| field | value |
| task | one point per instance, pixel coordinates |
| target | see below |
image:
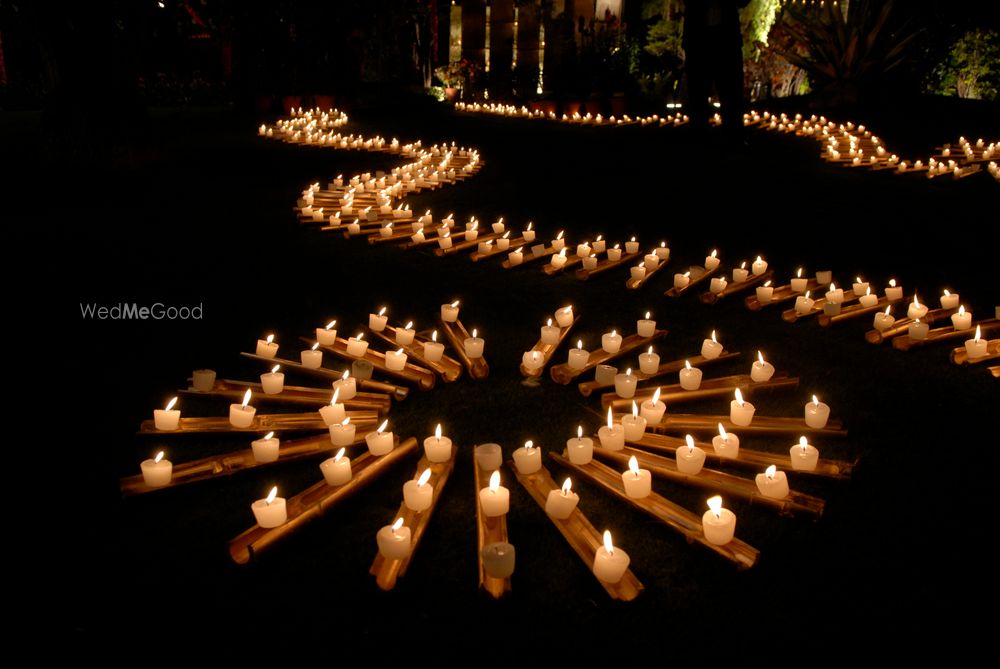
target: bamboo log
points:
(856, 311)
(571, 261)
(397, 235)
(467, 244)
(674, 422)
(542, 252)
(588, 387)
(421, 376)
(780, 295)
(386, 571)
(489, 530)
(547, 350)
(314, 397)
(274, 422)
(791, 315)
(734, 287)
(635, 284)
(795, 504)
(994, 370)
(429, 240)
(316, 500)
(579, 533)
(901, 326)
(564, 374)
(457, 334)
(698, 274)
(946, 334)
(960, 356)
(722, 386)
(675, 516)
(745, 458)
(447, 368)
(605, 265)
(397, 392)
(476, 256)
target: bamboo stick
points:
(605, 265)
(314, 397)
(734, 287)
(675, 516)
(385, 571)
(467, 244)
(946, 334)
(780, 295)
(564, 374)
(422, 377)
(397, 392)
(398, 234)
(476, 256)
(447, 368)
(960, 356)
(722, 386)
(795, 504)
(635, 284)
(856, 311)
(544, 252)
(994, 370)
(588, 387)
(791, 315)
(315, 501)
(489, 530)
(673, 422)
(902, 325)
(745, 458)
(579, 533)
(547, 350)
(457, 334)
(698, 274)
(571, 261)
(276, 422)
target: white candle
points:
(949, 300)
(726, 444)
(336, 470)
(578, 357)
(550, 334)
(804, 456)
(816, 413)
(581, 449)
(357, 346)
(961, 320)
(645, 326)
(583, 250)
(532, 360)
(418, 494)
(653, 409)
(634, 426)
(156, 472)
(494, 499)
(380, 442)
(270, 511)
(485, 247)
(765, 293)
(917, 330)
(267, 348)
(868, 300)
(241, 415)
(273, 382)
(639, 271)
(682, 280)
(474, 345)
(560, 503)
(347, 386)
(404, 335)
(759, 266)
(168, 418)
(712, 260)
(834, 295)
(395, 360)
(631, 246)
(610, 563)
(625, 384)
(498, 559)
(449, 312)
(312, 358)
(564, 316)
(804, 304)
(203, 379)
(718, 284)
(893, 292)
(342, 433)
(651, 261)
(394, 541)
(528, 234)
(614, 253)
(377, 322)
(498, 226)
(503, 243)
(599, 244)
(690, 377)
(740, 412)
(638, 483)
(590, 262)
(977, 347)
(611, 436)
(662, 252)
(740, 273)
(719, 524)
(559, 243)
(798, 284)
(266, 449)
(433, 351)
(559, 259)
(437, 448)
(605, 374)
(649, 363)
(611, 342)
(690, 458)
(884, 320)
(489, 456)
(528, 459)
(772, 483)
(761, 370)
(711, 348)
(824, 277)
(444, 241)
(860, 286)
(916, 310)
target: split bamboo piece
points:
(457, 334)
(677, 517)
(674, 422)
(946, 334)
(579, 533)
(781, 294)
(960, 356)
(791, 315)
(273, 422)
(588, 387)
(994, 370)
(571, 261)
(314, 397)
(734, 287)
(464, 245)
(795, 504)
(564, 374)
(722, 386)
(397, 392)
(605, 265)
(856, 311)
(316, 500)
(489, 530)
(901, 326)
(634, 284)
(746, 458)
(447, 368)
(421, 376)
(531, 256)
(386, 571)
(547, 350)
(476, 256)
(698, 274)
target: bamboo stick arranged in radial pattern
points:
(635, 283)
(316, 500)
(818, 307)
(234, 390)
(397, 392)
(675, 516)
(545, 351)
(495, 250)
(386, 570)
(901, 326)
(674, 366)
(674, 422)
(534, 253)
(857, 311)
(457, 334)
(960, 356)
(490, 530)
(446, 367)
(946, 334)
(722, 386)
(735, 287)
(579, 533)
(696, 274)
(465, 245)
(780, 295)
(275, 422)
(607, 264)
(564, 374)
(421, 376)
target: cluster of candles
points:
(513, 111)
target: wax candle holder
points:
(858, 311)
(490, 530)
(665, 368)
(457, 334)
(605, 264)
(735, 287)
(946, 334)
(578, 531)
(697, 274)
(819, 307)
(564, 374)
(446, 367)
(514, 243)
(795, 504)
(316, 500)
(396, 391)
(780, 295)
(755, 461)
(277, 422)
(635, 283)
(722, 386)
(546, 350)
(387, 571)
(960, 356)
(675, 422)
(901, 326)
(673, 515)
(299, 395)
(422, 377)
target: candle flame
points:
(857, 279)
(506, 235)
(274, 370)
(647, 315)
(398, 524)
(808, 293)
(360, 336)
(381, 428)
(715, 253)
(579, 344)
(663, 245)
(434, 336)
(271, 495)
(246, 398)
(528, 445)
(892, 283)
(171, 403)
(159, 456)
(425, 476)
(616, 246)
(798, 274)
(656, 396)
(381, 312)
(559, 236)
(759, 259)
(687, 364)
(269, 436)
(529, 225)
(687, 275)
(770, 472)
(345, 422)
(715, 504)
(579, 430)
(628, 372)
(739, 397)
(474, 333)
(713, 337)
(611, 423)
(650, 351)
(608, 546)
(979, 333)
(270, 338)
(635, 410)
(916, 303)
(723, 434)
(495, 481)
(633, 466)
(767, 283)
(690, 443)
(549, 323)
(833, 287)
(803, 444)
(329, 326)
(946, 293)
(743, 265)
(633, 239)
(760, 357)
(868, 291)
(567, 486)
(562, 252)
(409, 324)
(888, 309)
(815, 401)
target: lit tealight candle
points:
(631, 246)
(433, 350)
(267, 348)
(719, 524)
(804, 304)
(404, 335)
(559, 243)
(759, 266)
(610, 562)
(765, 292)
(690, 458)
(740, 273)
(725, 444)
(949, 300)
(962, 320)
(634, 425)
(550, 334)
(638, 483)
(578, 357)
(528, 459)
(599, 244)
(559, 259)
(343, 433)
(380, 442)
(560, 503)
(611, 436)
(772, 483)
(690, 377)
(395, 360)
(377, 322)
(241, 415)
(312, 358)
(651, 261)
(357, 346)
(336, 470)
(418, 494)
(711, 348)
(868, 300)
(437, 448)
(860, 287)
(834, 295)
(625, 384)
(474, 345)
(799, 284)
(564, 316)
(266, 449)
(168, 418)
(394, 541)
(495, 499)
(761, 370)
(528, 234)
(347, 385)
(532, 360)
(444, 241)
(884, 320)
(581, 449)
(156, 472)
(740, 412)
(270, 511)
(718, 284)
(893, 292)
(449, 312)
(653, 409)
(977, 347)
(916, 310)
(615, 253)
(804, 456)
(712, 260)
(639, 271)
(816, 413)
(273, 382)
(918, 330)
(646, 327)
